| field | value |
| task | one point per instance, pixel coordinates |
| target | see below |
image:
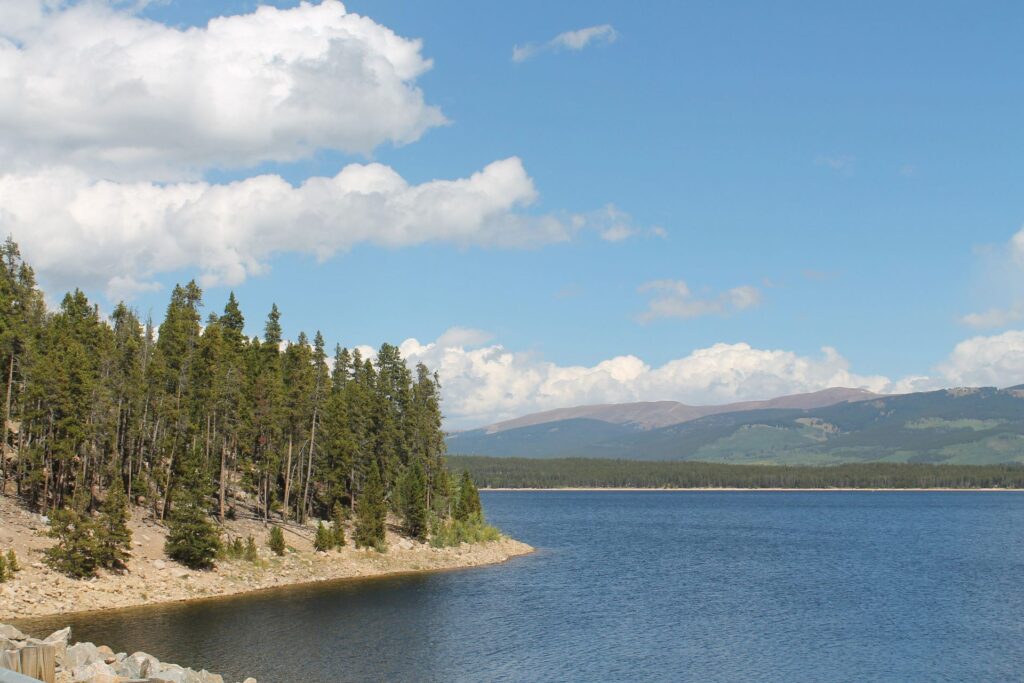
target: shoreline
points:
(472, 556)
(37, 592)
(766, 489)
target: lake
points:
(648, 586)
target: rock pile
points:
(88, 663)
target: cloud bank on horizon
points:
(486, 383)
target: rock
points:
(137, 665)
(97, 672)
(11, 633)
(159, 564)
(81, 655)
(249, 680)
(181, 574)
(59, 640)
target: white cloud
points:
(483, 385)
(1017, 247)
(97, 87)
(569, 40)
(463, 336)
(492, 383)
(78, 231)
(674, 299)
(994, 317)
(987, 361)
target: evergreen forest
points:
(195, 420)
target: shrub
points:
(473, 530)
(251, 554)
(4, 572)
(192, 540)
(276, 540)
(77, 549)
(12, 562)
(324, 540)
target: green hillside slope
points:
(955, 426)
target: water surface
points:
(648, 586)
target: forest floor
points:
(153, 578)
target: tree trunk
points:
(309, 467)
(287, 479)
(7, 419)
(223, 478)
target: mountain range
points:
(962, 425)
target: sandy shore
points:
(152, 578)
(706, 489)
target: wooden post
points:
(10, 660)
(39, 662)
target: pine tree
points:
(76, 551)
(12, 562)
(5, 572)
(468, 505)
(324, 540)
(338, 515)
(371, 512)
(192, 539)
(276, 541)
(114, 539)
(414, 500)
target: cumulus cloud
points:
(491, 383)
(674, 299)
(77, 230)
(987, 361)
(569, 40)
(101, 88)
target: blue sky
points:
(856, 167)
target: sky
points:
(551, 204)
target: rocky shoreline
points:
(88, 663)
(152, 578)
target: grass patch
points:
(473, 530)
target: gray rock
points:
(97, 672)
(81, 655)
(59, 641)
(137, 665)
(11, 633)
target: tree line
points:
(193, 415)
(494, 472)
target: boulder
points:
(137, 665)
(80, 655)
(59, 641)
(11, 633)
(97, 672)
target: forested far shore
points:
(490, 472)
(194, 419)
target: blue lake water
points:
(652, 586)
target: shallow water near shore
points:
(654, 586)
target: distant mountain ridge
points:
(654, 414)
(956, 426)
